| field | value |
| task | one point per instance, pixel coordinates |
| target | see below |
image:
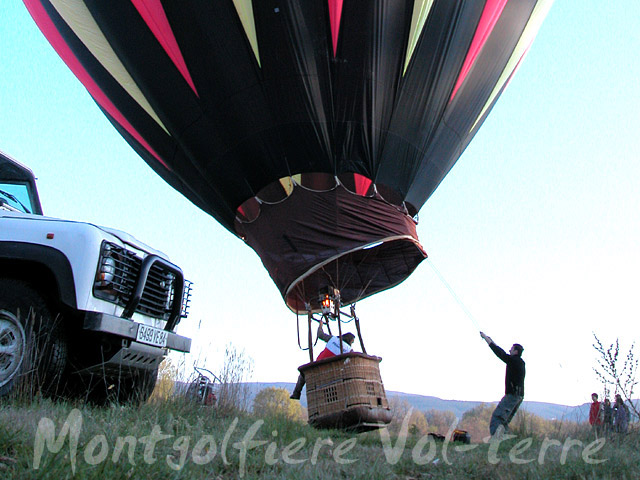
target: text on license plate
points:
(152, 336)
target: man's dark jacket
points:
(514, 377)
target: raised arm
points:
(500, 353)
(321, 335)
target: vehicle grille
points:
(118, 271)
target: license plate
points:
(152, 336)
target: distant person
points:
(621, 415)
(595, 417)
(513, 385)
(607, 416)
(331, 350)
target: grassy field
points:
(177, 440)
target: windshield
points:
(15, 196)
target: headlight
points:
(106, 272)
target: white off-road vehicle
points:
(85, 311)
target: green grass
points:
(290, 450)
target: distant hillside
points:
(549, 411)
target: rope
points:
(298, 332)
(455, 297)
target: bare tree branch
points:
(623, 380)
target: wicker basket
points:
(346, 392)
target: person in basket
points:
(331, 350)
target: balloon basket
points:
(346, 392)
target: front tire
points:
(33, 351)
(13, 341)
(137, 389)
(132, 388)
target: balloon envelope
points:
(313, 129)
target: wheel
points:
(12, 347)
(133, 389)
(33, 351)
(138, 388)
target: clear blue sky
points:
(536, 228)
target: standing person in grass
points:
(331, 350)
(595, 414)
(621, 415)
(513, 385)
(607, 416)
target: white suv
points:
(85, 311)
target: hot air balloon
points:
(312, 129)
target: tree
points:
(401, 408)
(418, 423)
(476, 421)
(612, 374)
(440, 421)
(272, 401)
(526, 424)
(167, 375)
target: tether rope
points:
(453, 294)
